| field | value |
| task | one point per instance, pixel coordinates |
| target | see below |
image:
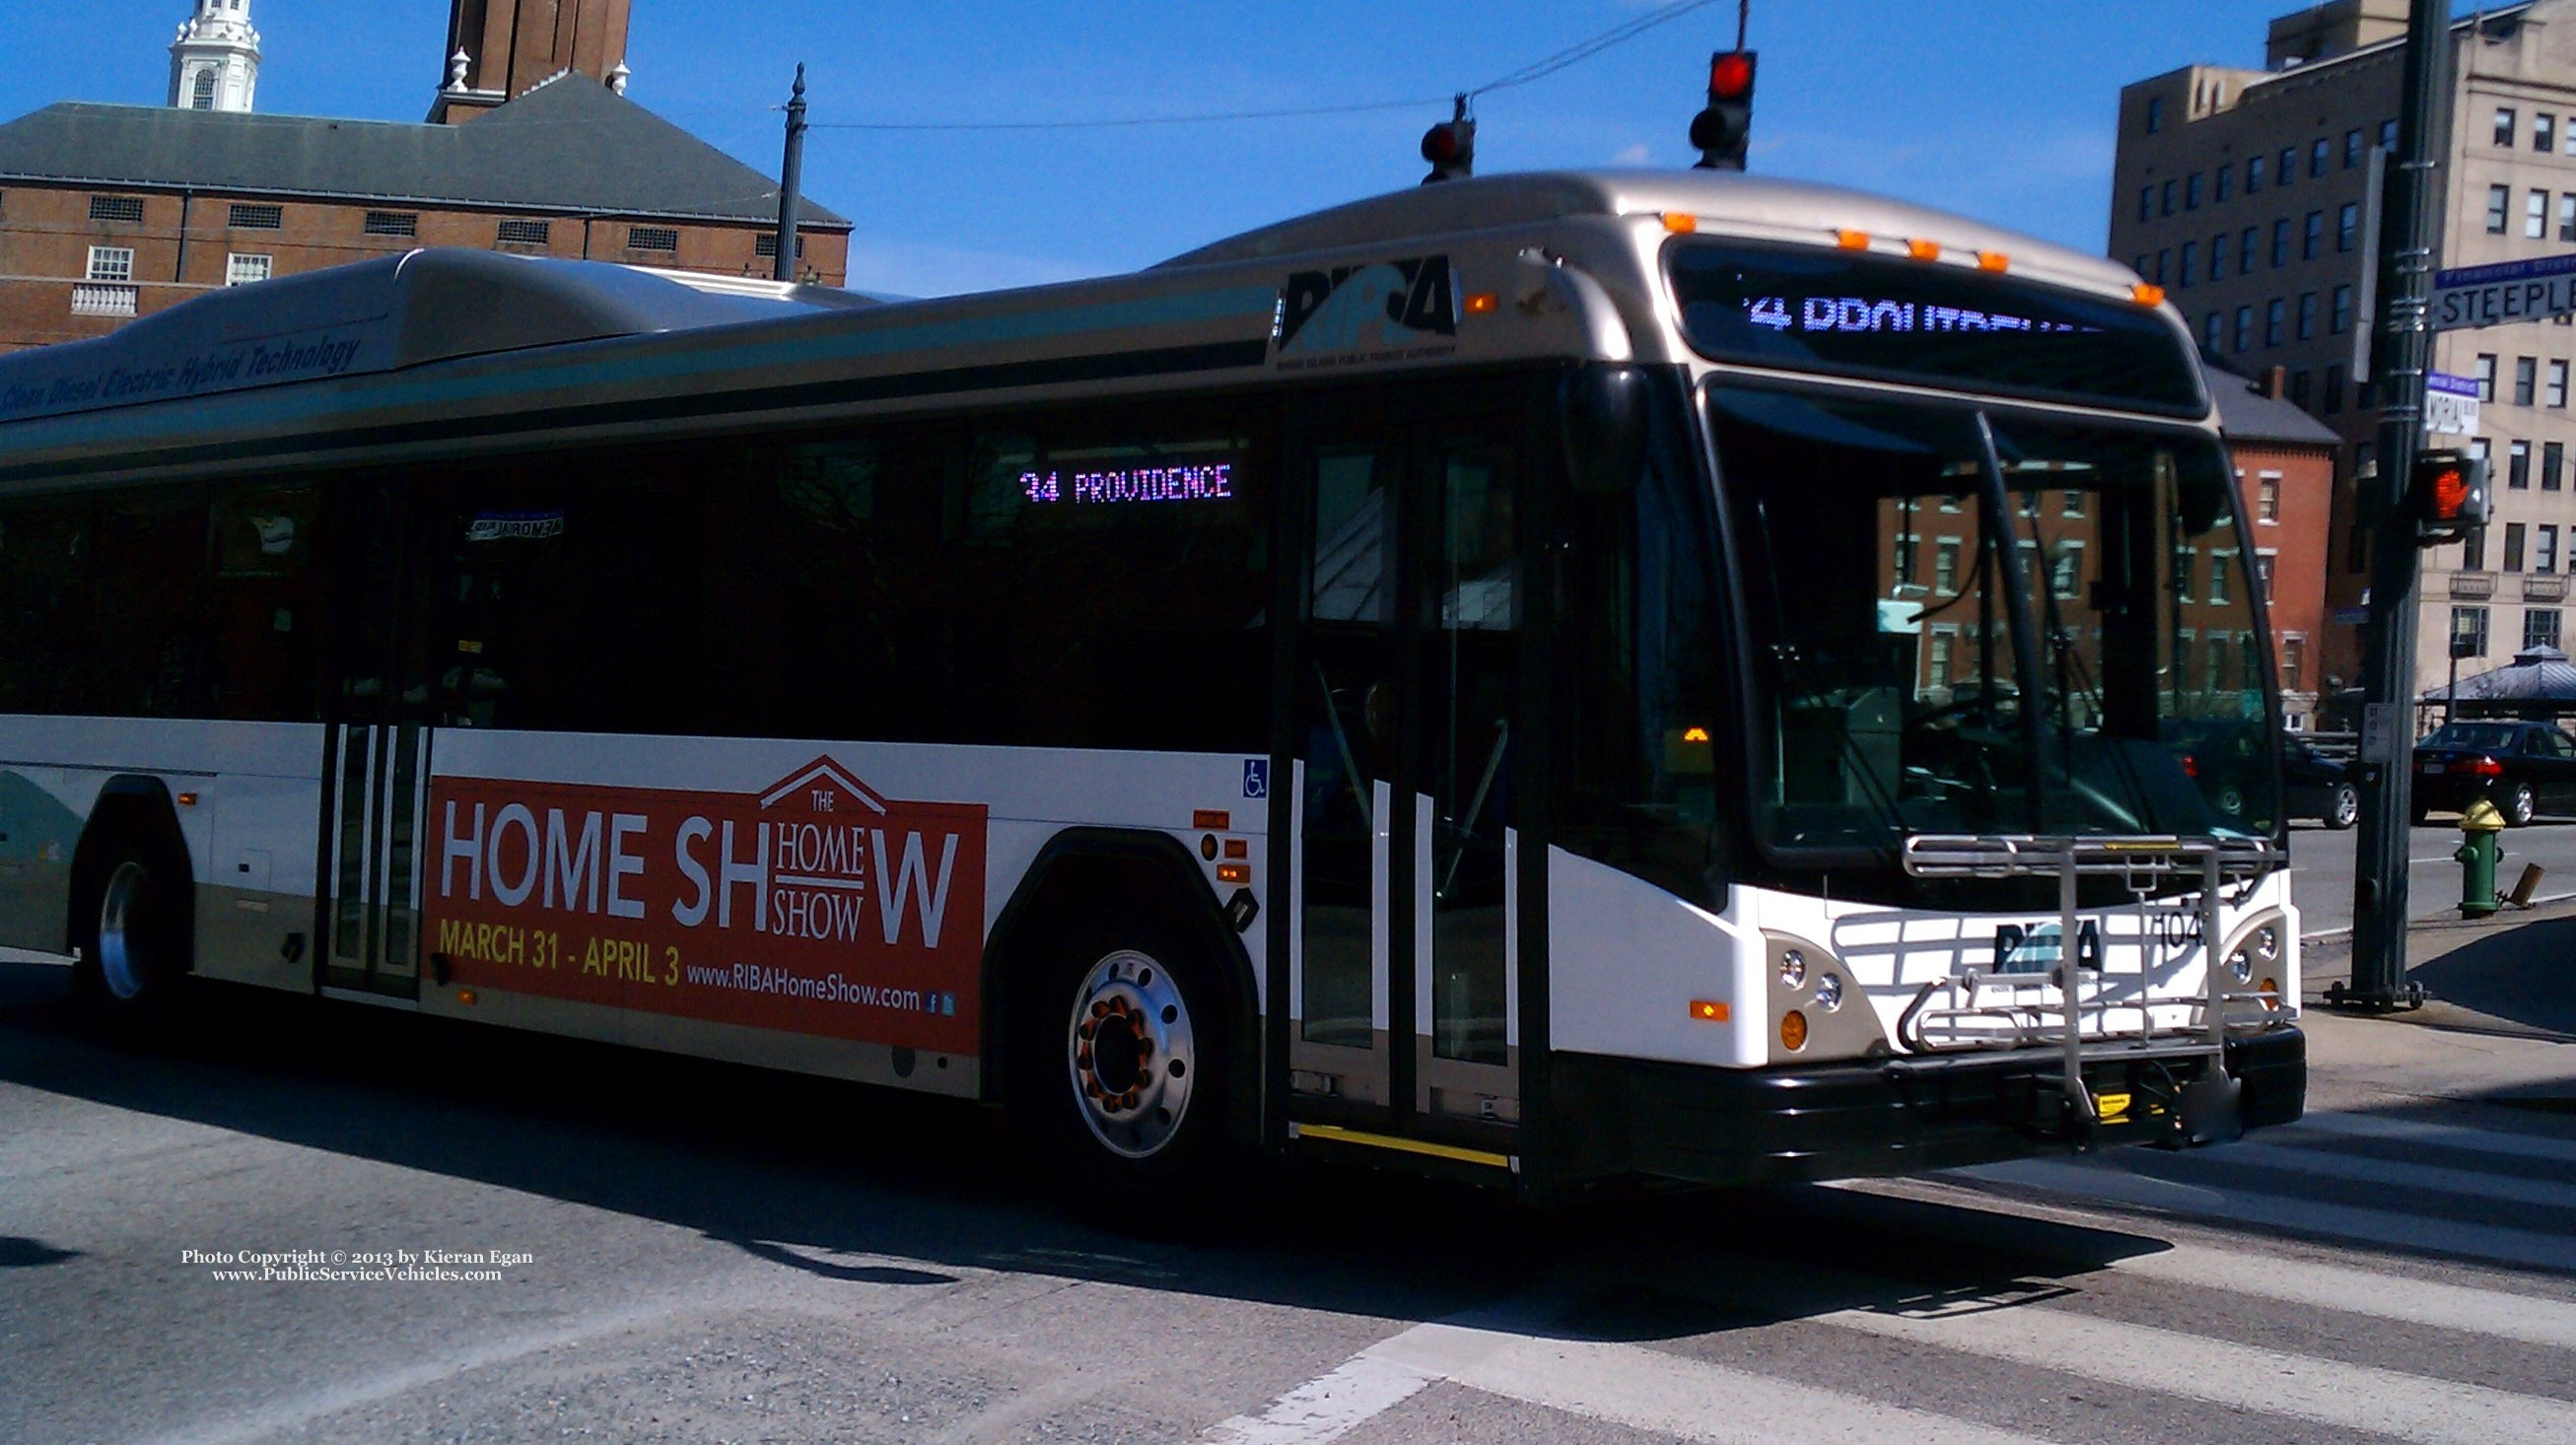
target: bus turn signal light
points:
(1483, 303)
(2147, 293)
(1995, 261)
(1851, 240)
(1793, 1031)
(1709, 1010)
(1234, 873)
(1680, 223)
(1922, 250)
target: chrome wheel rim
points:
(1131, 1054)
(2519, 807)
(2347, 809)
(120, 913)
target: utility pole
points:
(2405, 354)
(791, 176)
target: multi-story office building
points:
(2247, 195)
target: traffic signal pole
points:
(2404, 355)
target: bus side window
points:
(44, 612)
(261, 611)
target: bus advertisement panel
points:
(816, 906)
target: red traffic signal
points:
(1725, 129)
(2449, 491)
(1451, 147)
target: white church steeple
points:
(214, 64)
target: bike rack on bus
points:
(2142, 862)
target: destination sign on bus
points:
(1212, 482)
(1836, 312)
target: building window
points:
(2352, 148)
(2191, 191)
(2274, 311)
(2544, 132)
(2146, 203)
(2567, 213)
(652, 238)
(2347, 226)
(525, 233)
(1905, 549)
(2540, 627)
(2339, 311)
(2504, 125)
(2066, 570)
(1944, 643)
(202, 96)
(241, 270)
(2218, 561)
(766, 244)
(2244, 328)
(393, 223)
(2535, 215)
(2281, 243)
(2334, 390)
(2556, 394)
(2218, 257)
(2182, 261)
(2155, 114)
(2486, 375)
(1945, 566)
(2553, 465)
(111, 263)
(2517, 466)
(2267, 491)
(2164, 254)
(2318, 150)
(2142, 264)
(2312, 236)
(2245, 250)
(2473, 550)
(256, 218)
(2253, 174)
(2165, 199)
(2288, 170)
(2294, 659)
(2513, 535)
(2301, 381)
(128, 209)
(2072, 505)
(2544, 548)
(2186, 563)
(2213, 328)
(2307, 316)
(2263, 574)
(2388, 135)
(2469, 631)
(2526, 379)
(2221, 181)
(2499, 200)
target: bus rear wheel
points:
(131, 936)
(1120, 1075)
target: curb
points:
(2328, 935)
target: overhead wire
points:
(1536, 70)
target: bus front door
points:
(1402, 994)
(376, 771)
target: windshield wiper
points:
(2017, 602)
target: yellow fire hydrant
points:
(2478, 853)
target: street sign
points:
(2507, 291)
(2450, 404)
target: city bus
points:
(1565, 680)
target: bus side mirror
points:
(1604, 410)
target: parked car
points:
(2524, 768)
(2316, 786)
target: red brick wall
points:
(46, 233)
(2301, 541)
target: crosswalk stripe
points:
(2225, 1372)
(2497, 1243)
(2450, 1136)
(2389, 1173)
(1627, 1385)
(2493, 1313)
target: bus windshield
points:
(1964, 622)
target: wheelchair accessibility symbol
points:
(1256, 777)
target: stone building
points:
(2248, 195)
(108, 212)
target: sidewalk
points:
(2500, 1028)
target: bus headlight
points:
(1793, 968)
(1820, 1011)
(1829, 992)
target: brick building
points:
(2285, 469)
(108, 212)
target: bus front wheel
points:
(1120, 1074)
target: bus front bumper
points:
(1699, 1125)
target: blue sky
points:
(2002, 109)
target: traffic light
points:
(1724, 129)
(2448, 491)
(1451, 147)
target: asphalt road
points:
(2323, 860)
(689, 1252)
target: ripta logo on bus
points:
(818, 905)
(1385, 311)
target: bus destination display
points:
(1835, 312)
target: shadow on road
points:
(855, 1183)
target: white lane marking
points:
(2449, 1136)
(2224, 1372)
(2499, 1243)
(2492, 1313)
(1622, 1384)
(1328, 1407)
(2322, 1164)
